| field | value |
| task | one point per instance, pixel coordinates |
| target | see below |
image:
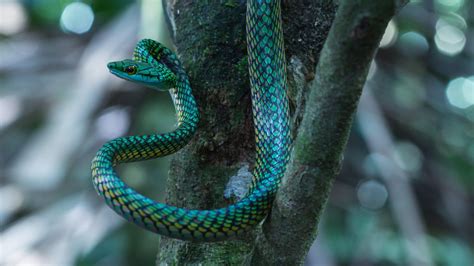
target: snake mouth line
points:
(114, 71)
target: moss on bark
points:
(210, 41)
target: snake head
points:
(157, 76)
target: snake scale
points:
(156, 66)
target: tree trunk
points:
(210, 40)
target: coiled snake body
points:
(155, 65)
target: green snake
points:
(158, 67)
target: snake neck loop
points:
(271, 121)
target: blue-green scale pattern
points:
(270, 111)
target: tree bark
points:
(318, 148)
(210, 40)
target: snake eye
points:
(131, 70)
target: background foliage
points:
(413, 137)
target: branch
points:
(210, 40)
(341, 73)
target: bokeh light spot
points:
(408, 156)
(77, 18)
(372, 194)
(390, 35)
(13, 17)
(468, 90)
(460, 92)
(413, 44)
(449, 39)
(449, 5)
(452, 19)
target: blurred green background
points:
(405, 193)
